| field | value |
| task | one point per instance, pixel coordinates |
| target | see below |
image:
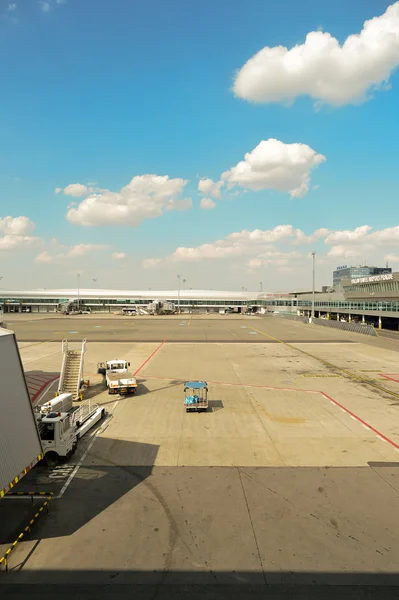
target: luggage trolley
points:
(196, 396)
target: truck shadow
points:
(112, 469)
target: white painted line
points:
(381, 438)
(365, 426)
(352, 417)
(76, 469)
(48, 388)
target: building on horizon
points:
(356, 272)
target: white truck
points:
(61, 425)
(116, 377)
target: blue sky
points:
(98, 93)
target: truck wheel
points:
(52, 459)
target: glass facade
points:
(357, 272)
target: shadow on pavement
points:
(354, 586)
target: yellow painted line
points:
(189, 322)
(328, 364)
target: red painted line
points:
(326, 396)
(42, 388)
(390, 377)
(150, 357)
(360, 420)
(266, 387)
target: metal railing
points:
(364, 328)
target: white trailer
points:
(20, 444)
(116, 376)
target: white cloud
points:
(145, 197)
(273, 257)
(119, 255)
(275, 165)
(348, 236)
(58, 190)
(16, 225)
(302, 238)
(207, 203)
(59, 253)
(13, 242)
(12, 7)
(210, 187)
(259, 243)
(75, 190)
(392, 258)
(14, 230)
(362, 242)
(322, 68)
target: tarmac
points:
(289, 483)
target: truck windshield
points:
(115, 366)
(46, 431)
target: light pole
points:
(313, 285)
(78, 275)
(178, 293)
(184, 284)
(94, 281)
(261, 287)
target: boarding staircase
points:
(72, 369)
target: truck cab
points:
(58, 436)
(116, 376)
(113, 366)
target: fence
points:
(364, 328)
(292, 317)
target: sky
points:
(220, 141)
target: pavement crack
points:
(252, 525)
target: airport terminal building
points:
(115, 300)
(374, 298)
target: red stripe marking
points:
(326, 396)
(42, 388)
(384, 437)
(150, 357)
(391, 377)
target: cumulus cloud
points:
(11, 7)
(207, 203)
(119, 255)
(13, 242)
(59, 253)
(16, 225)
(275, 165)
(258, 242)
(13, 233)
(302, 238)
(210, 188)
(361, 241)
(145, 197)
(273, 257)
(322, 68)
(75, 189)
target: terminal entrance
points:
(16, 308)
